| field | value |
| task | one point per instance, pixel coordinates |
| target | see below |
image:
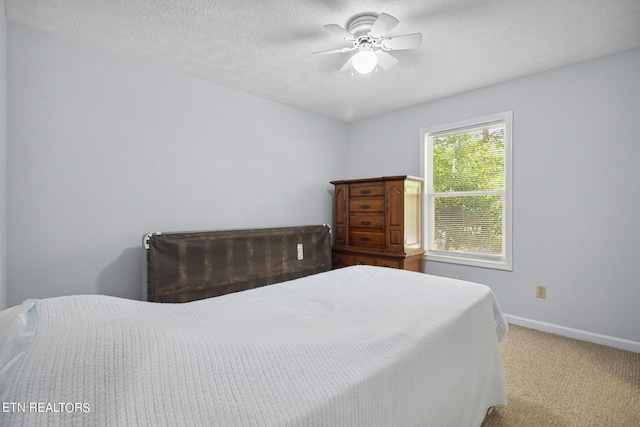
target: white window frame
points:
(504, 261)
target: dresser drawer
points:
(341, 260)
(366, 205)
(366, 190)
(366, 221)
(364, 260)
(369, 260)
(364, 238)
(388, 263)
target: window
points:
(467, 171)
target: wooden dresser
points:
(378, 221)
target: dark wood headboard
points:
(183, 267)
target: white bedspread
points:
(360, 346)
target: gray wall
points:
(103, 149)
(3, 157)
(576, 145)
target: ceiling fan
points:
(367, 32)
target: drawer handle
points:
(365, 206)
(365, 239)
(365, 222)
(365, 191)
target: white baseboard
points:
(578, 334)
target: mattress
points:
(358, 346)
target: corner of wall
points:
(3, 157)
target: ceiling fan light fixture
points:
(364, 61)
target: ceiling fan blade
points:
(346, 66)
(340, 32)
(385, 60)
(383, 25)
(408, 41)
(341, 50)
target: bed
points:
(357, 346)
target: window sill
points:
(497, 264)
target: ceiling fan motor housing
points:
(359, 25)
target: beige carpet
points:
(557, 381)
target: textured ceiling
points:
(265, 47)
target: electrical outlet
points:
(300, 252)
(541, 292)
